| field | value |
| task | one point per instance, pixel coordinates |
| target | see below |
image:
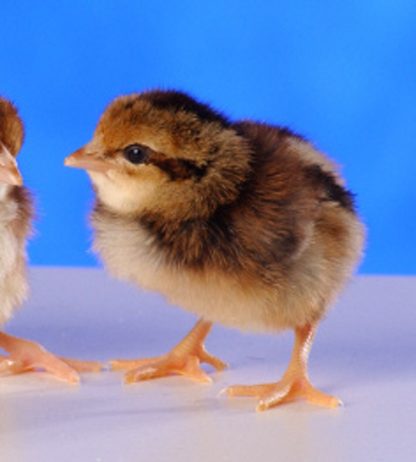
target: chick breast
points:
(274, 258)
(15, 215)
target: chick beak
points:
(9, 173)
(86, 160)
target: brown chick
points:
(242, 223)
(15, 222)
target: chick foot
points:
(184, 359)
(26, 356)
(284, 391)
(294, 384)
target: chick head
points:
(164, 152)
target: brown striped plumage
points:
(243, 223)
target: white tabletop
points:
(365, 352)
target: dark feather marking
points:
(194, 243)
(334, 191)
(177, 169)
(129, 104)
(23, 198)
(278, 130)
(177, 101)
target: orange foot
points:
(294, 384)
(284, 391)
(25, 356)
(184, 359)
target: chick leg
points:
(183, 359)
(294, 384)
(25, 356)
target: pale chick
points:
(242, 223)
(15, 225)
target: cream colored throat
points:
(122, 194)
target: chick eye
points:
(135, 154)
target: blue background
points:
(341, 73)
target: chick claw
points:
(184, 359)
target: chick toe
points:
(82, 365)
(188, 366)
(27, 356)
(184, 359)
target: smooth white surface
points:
(364, 352)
